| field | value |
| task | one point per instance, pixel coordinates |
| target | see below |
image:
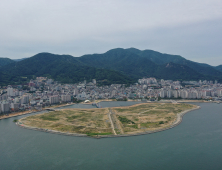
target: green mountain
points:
(160, 58)
(115, 66)
(63, 68)
(121, 60)
(5, 61)
(19, 59)
(219, 68)
(147, 63)
(172, 71)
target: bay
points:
(194, 144)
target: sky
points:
(191, 28)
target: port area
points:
(110, 122)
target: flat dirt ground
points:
(87, 121)
(126, 120)
(148, 117)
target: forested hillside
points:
(122, 66)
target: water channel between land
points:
(194, 144)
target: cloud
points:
(92, 26)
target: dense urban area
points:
(44, 92)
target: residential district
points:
(44, 92)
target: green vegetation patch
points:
(124, 120)
(154, 112)
(135, 109)
(150, 124)
(71, 118)
(49, 117)
(135, 126)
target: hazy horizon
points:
(191, 29)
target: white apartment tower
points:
(53, 99)
(94, 81)
(5, 107)
(10, 91)
(66, 98)
(25, 99)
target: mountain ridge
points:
(5, 61)
(118, 65)
(161, 58)
(63, 68)
(219, 68)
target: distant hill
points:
(63, 68)
(5, 61)
(160, 58)
(219, 68)
(122, 66)
(137, 64)
(19, 59)
(121, 60)
(172, 71)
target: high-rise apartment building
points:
(66, 98)
(54, 99)
(10, 91)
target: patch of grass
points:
(154, 112)
(71, 118)
(121, 110)
(83, 119)
(150, 124)
(77, 128)
(124, 120)
(169, 118)
(161, 122)
(135, 126)
(49, 117)
(56, 125)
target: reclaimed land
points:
(110, 122)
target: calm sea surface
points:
(195, 144)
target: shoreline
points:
(165, 101)
(15, 114)
(176, 122)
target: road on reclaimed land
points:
(111, 121)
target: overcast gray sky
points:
(190, 28)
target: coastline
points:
(176, 122)
(15, 114)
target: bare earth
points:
(109, 121)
